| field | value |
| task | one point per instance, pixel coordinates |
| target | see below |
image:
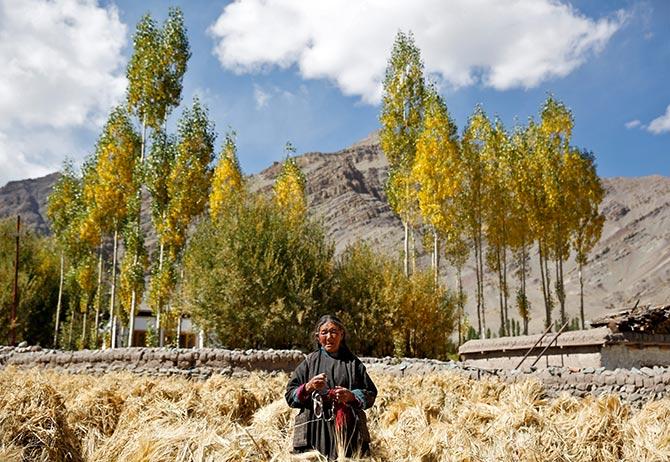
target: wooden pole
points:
(15, 302)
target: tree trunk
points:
(545, 283)
(460, 306)
(159, 329)
(561, 290)
(60, 297)
(133, 295)
(178, 341)
(98, 299)
(581, 294)
(406, 249)
(131, 321)
(481, 278)
(505, 288)
(83, 329)
(502, 329)
(524, 254)
(70, 330)
(479, 295)
(112, 308)
(436, 258)
(412, 254)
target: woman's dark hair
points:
(335, 320)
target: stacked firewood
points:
(648, 319)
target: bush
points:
(256, 278)
(38, 285)
(387, 313)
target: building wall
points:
(627, 356)
(579, 359)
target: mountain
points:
(28, 198)
(345, 191)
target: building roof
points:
(591, 337)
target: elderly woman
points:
(331, 388)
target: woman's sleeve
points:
(366, 393)
(295, 389)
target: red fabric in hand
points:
(343, 414)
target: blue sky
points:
(309, 72)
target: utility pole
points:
(15, 302)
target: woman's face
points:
(330, 337)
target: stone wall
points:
(633, 385)
(201, 363)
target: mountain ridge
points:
(345, 191)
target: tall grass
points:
(49, 416)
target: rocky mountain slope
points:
(346, 192)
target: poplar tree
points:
(521, 235)
(497, 212)
(156, 69)
(113, 186)
(159, 165)
(534, 180)
(436, 172)
(589, 223)
(64, 207)
(556, 129)
(189, 180)
(289, 189)
(155, 73)
(227, 180)
(402, 119)
(90, 232)
(457, 251)
(473, 143)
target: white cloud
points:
(498, 44)
(661, 123)
(62, 69)
(261, 97)
(632, 124)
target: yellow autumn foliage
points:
(227, 180)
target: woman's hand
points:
(318, 382)
(343, 395)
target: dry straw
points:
(49, 416)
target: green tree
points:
(156, 69)
(474, 142)
(498, 212)
(155, 74)
(556, 130)
(256, 278)
(402, 120)
(38, 283)
(583, 179)
(457, 251)
(188, 185)
(158, 169)
(110, 191)
(359, 299)
(424, 314)
(64, 207)
(520, 231)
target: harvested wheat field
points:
(49, 416)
